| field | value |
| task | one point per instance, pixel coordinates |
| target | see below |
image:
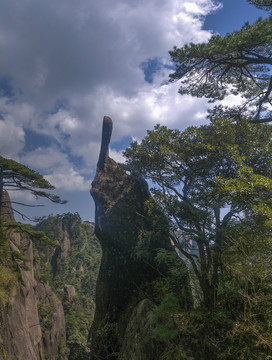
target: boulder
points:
(70, 291)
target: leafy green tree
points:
(262, 4)
(17, 177)
(238, 63)
(207, 180)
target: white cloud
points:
(201, 7)
(58, 169)
(117, 156)
(22, 196)
(71, 63)
(11, 139)
(44, 158)
(72, 48)
(68, 179)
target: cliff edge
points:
(32, 322)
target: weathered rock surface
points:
(65, 244)
(70, 291)
(124, 293)
(139, 342)
(32, 325)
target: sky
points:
(65, 64)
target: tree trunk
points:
(209, 289)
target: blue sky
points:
(66, 64)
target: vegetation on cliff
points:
(22, 297)
(75, 262)
(18, 177)
(214, 185)
(65, 258)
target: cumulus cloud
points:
(68, 179)
(44, 158)
(117, 156)
(67, 48)
(11, 138)
(70, 63)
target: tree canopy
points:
(208, 181)
(238, 63)
(17, 177)
(262, 4)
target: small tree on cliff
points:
(208, 180)
(17, 177)
(238, 63)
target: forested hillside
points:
(71, 270)
(47, 287)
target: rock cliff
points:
(127, 288)
(32, 325)
(72, 269)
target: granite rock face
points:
(32, 325)
(130, 237)
(139, 342)
(70, 291)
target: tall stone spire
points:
(106, 136)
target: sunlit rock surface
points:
(24, 335)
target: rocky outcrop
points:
(70, 291)
(139, 342)
(130, 237)
(32, 323)
(65, 245)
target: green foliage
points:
(19, 256)
(15, 176)
(238, 63)
(28, 229)
(7, 285)
(205, 180)
(217, 335)
(165, 329)
(213, 183)
(63, 350)
(176, 274)
(262, 4)
(12, 169)
(239, 327)
(107, 336)
(4, 246)
(79, 268)
(165, 332)
(46, 313)
(169, 305)
(78, 352)
(175, 353)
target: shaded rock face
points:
(125, 279)
(32, 324)
(139, 342)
